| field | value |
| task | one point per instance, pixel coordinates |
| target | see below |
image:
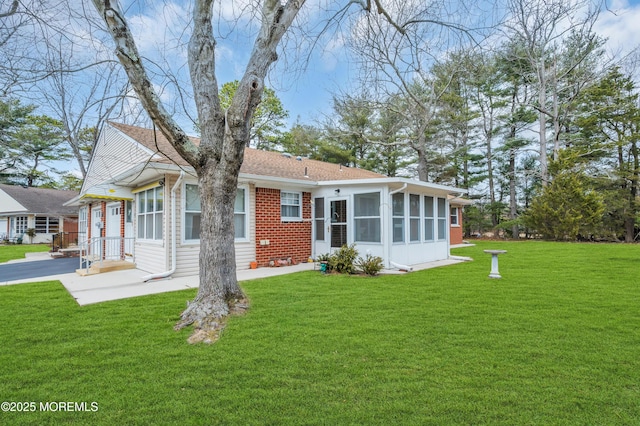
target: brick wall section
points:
(286, 239)
(455, 232)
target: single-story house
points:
(139, 191)
(41, 209)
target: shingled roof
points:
(42, 200)
(256, 162)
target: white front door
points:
(113, 244)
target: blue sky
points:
(305, 93)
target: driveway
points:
(37, 268)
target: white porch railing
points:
(99, 249)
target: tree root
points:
(209, 318)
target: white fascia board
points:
(398, 181)
(277, 182)
(145, 172)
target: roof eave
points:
(396, 180)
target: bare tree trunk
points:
(542, 119)
(630, 229)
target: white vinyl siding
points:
(114, 153)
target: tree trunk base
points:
(208, 316)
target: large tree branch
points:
(127, 53)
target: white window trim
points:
(433, 217)
(183, 212)
(420, 219)
(405, 199)
(439, 218)
(137, 214)
(457, 216)
(354, 218)
(291, 218)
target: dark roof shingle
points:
(42, 200)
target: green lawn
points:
(17, 251)
(556, 341)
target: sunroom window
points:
(397, 201)
(367, 217)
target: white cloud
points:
(620, 25)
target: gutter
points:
(167, 274)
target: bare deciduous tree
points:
(225, 132)
(541, 28)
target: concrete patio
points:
(128, 283)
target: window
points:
(367, 217)
(442, 219)
(454, 216)
(47, 225)
(83, 223)
(150, 207)
(240, 214)
(318, 204)
(414, 217)
(128, 212)
(428, 219)
(19, 224)
(290, 206)
(192, 213)
(397, 201)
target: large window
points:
(150, 208)
(428, 218)
(47, 225)
(367, 217)
(19, 224)
(290, 206)
(319, 218)
(442, 219)
(397, 201)
(192, 213)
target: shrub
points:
(342, 260)
(370, 265)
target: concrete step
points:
(107, 266)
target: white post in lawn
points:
(494, 262)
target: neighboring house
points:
(140, 192)
(456, 231)
(42, 209)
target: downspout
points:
(390, 243)
(167, 274)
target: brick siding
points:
(286, 239)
